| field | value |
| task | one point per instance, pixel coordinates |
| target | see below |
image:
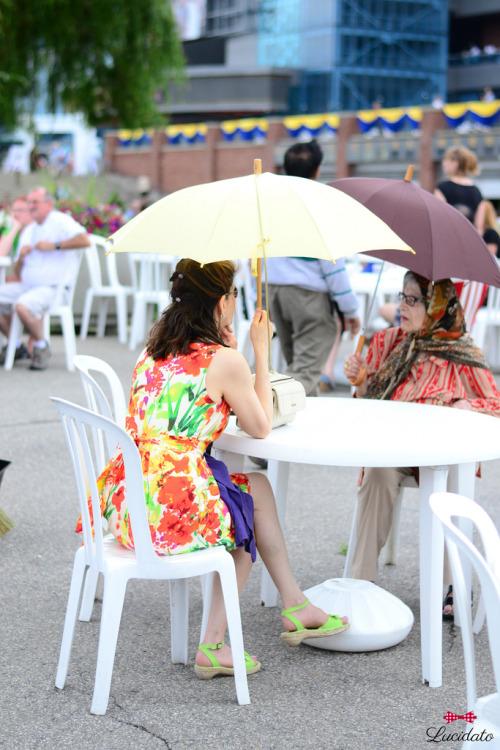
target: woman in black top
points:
(458, 189)
(491, 236)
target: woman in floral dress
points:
(185, 384)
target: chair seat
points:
(118, 557)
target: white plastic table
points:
(357, 432)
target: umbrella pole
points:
(259, 283)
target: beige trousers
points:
(376, 497)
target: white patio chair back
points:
(486, 330)
(152, 274)
(461, 551)
(471, 298)
(62, 308)
(117, 564)
(108, 399)
(104, 290)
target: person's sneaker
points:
(40, 358)
(21, 353)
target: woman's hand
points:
(353, 365)
(258, 330)
(229, 338)
(462, 404)
(352, 370)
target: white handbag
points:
(289, 397)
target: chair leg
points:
(15, 333)
(179, 619)
(70, 619)
(86, 314)
(68, 326)
(102, 316)
(89, 594)
(112, 607)
(121, 315)
(352, 544)
(232, 605)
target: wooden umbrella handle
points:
(257, 169)
(362, 372)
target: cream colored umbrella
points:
(256, 216)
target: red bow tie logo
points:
(449, 717)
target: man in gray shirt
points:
(303, 292)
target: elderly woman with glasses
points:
(428, 359)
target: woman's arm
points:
(229, 377)
(481, 392)
(479, 217)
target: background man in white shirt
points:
(43, 263)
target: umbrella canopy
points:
(256, 216)
(446, 244)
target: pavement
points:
(302, 698)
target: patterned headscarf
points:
(443, 334)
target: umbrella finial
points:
(257, 166)
(409, 173)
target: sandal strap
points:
(205, 648)
(288, 614)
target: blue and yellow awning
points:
(482, 113)
(248, 129)
(190, 133)
(311, 125)
(389, 119)
(136, 137)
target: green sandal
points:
(332, 626)
(206, 673)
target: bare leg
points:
(5, 325)
(271, 545)
(272, 549)
(34, 325)
(217, 622)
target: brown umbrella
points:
(446, 244)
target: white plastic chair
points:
(152, 273)
(62, 308)
(112, 405)
(447, 506)
(98, 288)
(471, 298)
(88, 366)
(486, 331)
(99, 402)
(391, 545)
(118, 564)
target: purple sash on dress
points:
(239, 503)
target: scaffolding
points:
(351, 53)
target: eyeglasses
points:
(234, 292)
(409, 299)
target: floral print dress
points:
(172, 420)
